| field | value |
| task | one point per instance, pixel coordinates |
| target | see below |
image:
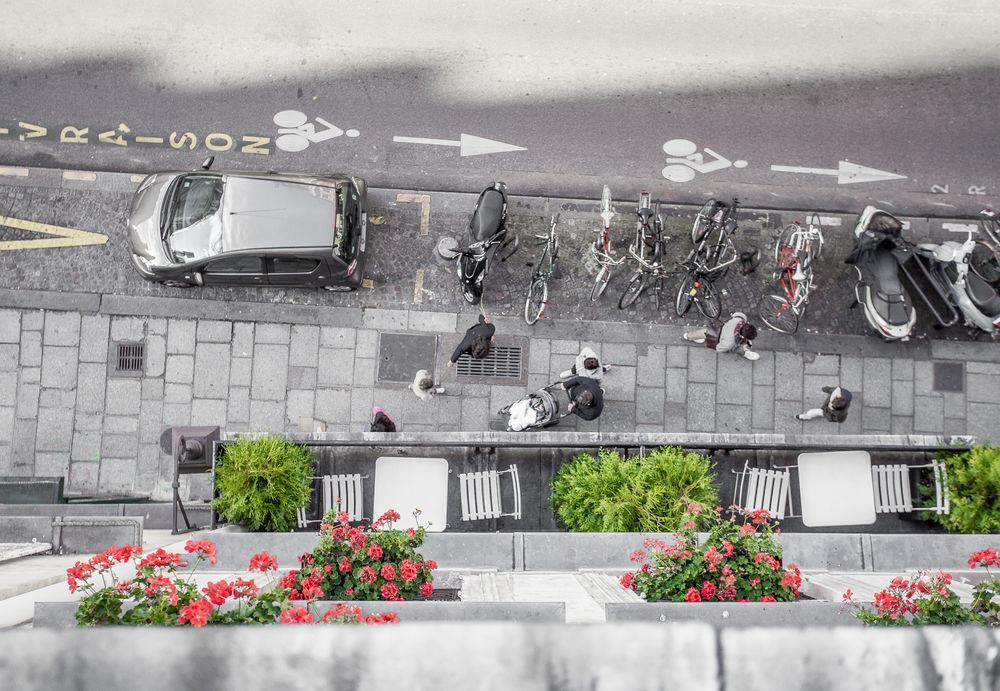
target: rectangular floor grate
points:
(503, 362)
(130, 357)
(949, 376)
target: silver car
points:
(277, 229)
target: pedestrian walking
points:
(381, 422)
(732, 336)
(476, 342)
(586, 398)
(423, 385)
(834, 408)
(587, 365)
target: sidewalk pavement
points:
(65, 411)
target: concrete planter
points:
(734, 614)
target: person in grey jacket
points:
(424, 387)
(587, 365)
(834, 408)
(734, 336)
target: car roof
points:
(260, 213)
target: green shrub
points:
(261, 482)
(614, 494)
(974, 482)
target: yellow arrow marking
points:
(425, 208)
(65, 237)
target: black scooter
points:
(488, 239)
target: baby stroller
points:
(537, 410)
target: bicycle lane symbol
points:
(684, 161)
(296, 133)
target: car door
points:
(240, 270)
(297, 271)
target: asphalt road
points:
(591, 91)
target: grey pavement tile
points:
(23, 447)
(955, 426)
(902, 397)
(417, 411)
(677, 355)
(701, 407)
(784, 417)
(852, 374)
(565, 347)
(276, 334)
(619, 417)
(648, 429)
(825, 365)
(149, 460)
(878, 377)
(116, 475)
(242, 343)
(31, 349)
(788, 375)
(209, 411)
(538, 356)
(90, 388)
(9, 354)
(150, 421)
(31, 375)
(121, 424)
(125, 328)
(211, 331)
(674, 417)
(179, 369)
(300, 404)
(763, 369)
(928, 414)
(364, 372)
(58, 367)
(902, 369)
(62, 328)
(333, 406)
(821, 426)
(677, 383)
(617, 353)
(156, 356)
(336, 367)
(475, 389)
(437, 322)
(56, 398)
(901, 424)
(812, 386)
(95, 331)
(475, 414)
(651, 368)
(649, 405)
(983, 388)
(270, 372)
(385, 319)
(733, 419)
(27, 401)
(362, 400)
(8, 387)
(177, 393)
(977, 367)
(449, 413)
(122, 396)
(51, 464)
(619, 384)
(762, 417)
(875, 419)
(89, 422)
(6, 424)
(954, 405)
(702, 364)
(267, 416)
(366, 343)
(391, 400)
(156, 326)
(735, 378)
(337, 337)
(923, 378)
(152, 389)
(537, 381)
(241, 371)
(6, 461)
(501, 396)
(119, 446)
(181, 336)
(298, 377)
(55, 429)
(304, 346)
(10, 326)
(238, 409)
(32, 320)
(211, 370)
(83, 478)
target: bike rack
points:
(922, 270)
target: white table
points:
(405, 483)
(835, 488)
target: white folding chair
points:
(893, 493)
(770, 490)
(480, 494)
(347, 488)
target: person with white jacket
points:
(734, 336)
(587, 365)
(423, 386)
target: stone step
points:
(605, 588)
(15, 550)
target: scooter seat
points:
(885, 274)
(983, 295)
(486, 220)
(895, 309)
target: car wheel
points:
(338, 289)
(176, 284)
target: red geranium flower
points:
(693, 595)
(242, 588)
(389, 591)
(626, 579)
(388, 572)
(431, 564)
(407, 571)
(202, 547)
(426, 590)
(288, 580)
(344, 565)
(367, 574)
(218, 592)
(767, 598)
(707, 590)
(375, 551)
(80, 571)
(263, 562)
(195, 613)
(160, 558)
(312, 591)
(297, 615)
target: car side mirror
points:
(208, 163)
(198, 278)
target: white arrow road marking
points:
(846, 173)
(468, 144)
(960, 227)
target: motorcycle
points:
(488, 236)
(976, 299)
(878, 254)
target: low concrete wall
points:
(938, 551)
(734, 614)
(694, 657)
(826, 551)
(575, 551)
(72, 534)
(155, 515)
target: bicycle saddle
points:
(486, 219)
(645, 215)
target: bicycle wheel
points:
(685, 295)
(775, 311)
(601, 282)
(708, 301)
(633, 290)
(984, 262)
(534, 305)
(703, 221)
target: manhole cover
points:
(949, 376)
(400, 356)
(503, 362)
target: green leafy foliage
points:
(614, 494)
(262, 481)
(974, 482)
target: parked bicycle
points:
(696, 288)
(711, 234)
(601, 247)
(985, 259)
(646, 250)
(538, 290)
(795, 252)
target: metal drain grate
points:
(503, 362)
(130, 358)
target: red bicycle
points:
(795, 252)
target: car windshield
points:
(194, 227)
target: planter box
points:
(734, 614)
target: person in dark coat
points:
(586, 397)
(381, 422)
(476, 342)
(834, 409)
